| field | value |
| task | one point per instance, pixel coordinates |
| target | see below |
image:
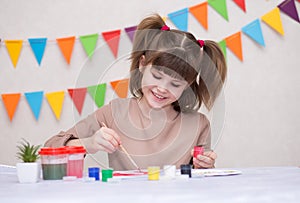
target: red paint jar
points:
(75, 161)
(198, 150)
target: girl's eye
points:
(175, 85)
(156, 76)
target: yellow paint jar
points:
(153, 172)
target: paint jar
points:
(94, 172)
(186, 169)
(75, 161)
(106, 174)
(153, 172)
(54, 162)
(170, 171)
(198, 150)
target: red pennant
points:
(112, 38)
(78, 96)
(120, 87)
(241, 4)
(11, 102)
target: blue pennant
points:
(38, 47)
(253, 30)
(34, 100)
(180, 19)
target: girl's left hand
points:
(207, 160)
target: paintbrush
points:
(125, 151)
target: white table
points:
(269, 184)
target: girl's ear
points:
(142, 63)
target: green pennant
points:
(97, 92)
(222, 45)
(220, 6)
(89, 43)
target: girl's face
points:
(160, 89)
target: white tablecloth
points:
(269, 184)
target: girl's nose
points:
(161, 89)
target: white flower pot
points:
(28, 172)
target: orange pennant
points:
(120, 87)
(200, 13)
(112, 38)
(14, 48)
(11, 102)
(234, 43)
(78, 96)
(273, 19)
(66, 46)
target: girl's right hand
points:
(105, 139)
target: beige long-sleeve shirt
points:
(154, 139)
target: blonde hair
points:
(203, 68)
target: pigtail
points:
(213, 73)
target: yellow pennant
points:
(273, 20)
(56, 100)
(14, 48)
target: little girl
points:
(172, 75)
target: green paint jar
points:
(54, 162)
(106, 173)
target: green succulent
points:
(28, 152)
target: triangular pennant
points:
(241, 4)
(35, 100)
(130, 32)
(120, 87)
(97, 92)
(112, 38)
(14, 48)
(200, 13)
(11, 102)
(220, 6)
(38, 47)
(222, 45)
(253, 30)
(66, 46)
(56, 100)
(289, 8)
(234, 43)
(273, 19)
(78, 96)
(180, 19)
(89, 43)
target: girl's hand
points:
(105, 139)
(207, 160)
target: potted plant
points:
(28, 171)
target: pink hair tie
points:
(165, 28)
(201, 43)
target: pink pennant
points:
(78, 96)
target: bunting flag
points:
(180, 19)
(200, 13)
(66, 46)
(112, 38)
(34, 100)
(38, 47)
(14, 48)
(78, 96)
(254, 31)
(97, 92)
(130, 31)
(11, 102)
(241, 4)
(234, 43)
(222, 45)
(273, 19)
(288, 7)
(55, 100)
(89, 43)
(120, 87)
(220, 6)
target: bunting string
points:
(112, 38)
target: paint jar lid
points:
(53, 151)
(76, 149)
